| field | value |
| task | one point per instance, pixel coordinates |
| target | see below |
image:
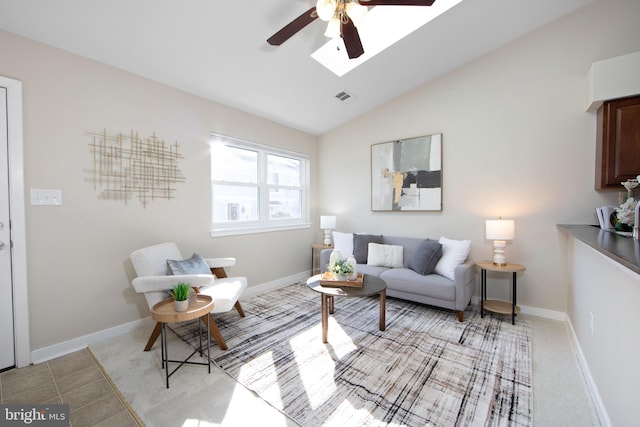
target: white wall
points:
(611, 293)
(78, 268)
(517, 144)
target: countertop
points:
(622, 249)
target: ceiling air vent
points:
(343, 96)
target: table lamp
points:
(327, 223)
(499, 230)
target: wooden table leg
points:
(325, 317)
(330, 299)
(383, 310)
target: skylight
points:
(382, 27)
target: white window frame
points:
(263, 224)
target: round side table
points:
(165, 312)
(494, 306)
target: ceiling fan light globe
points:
(356, 12)
(326, 9)
(333, 29)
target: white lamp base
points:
(498, 253)
(327, 237)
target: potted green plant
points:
(181, 296)
(341, 269)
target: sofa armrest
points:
(465, 280)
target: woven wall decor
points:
(128, 165)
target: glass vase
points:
(351, 261)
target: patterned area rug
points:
(425, 369)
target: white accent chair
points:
(155, 281)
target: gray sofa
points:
(432, 289)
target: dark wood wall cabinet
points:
(618, 142)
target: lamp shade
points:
(328, 222)
(500, 229)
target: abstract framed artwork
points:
(406, 175)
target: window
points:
(255, 188)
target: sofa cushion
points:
(373, 270)
(425, 257)
(407, 280)
(454, 253)
(343, 242)
(385, 255)
(361, 246)
(194, 265)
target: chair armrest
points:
(163, 283)
(220, 262)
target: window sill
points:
(221, 232)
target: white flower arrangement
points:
(341, 268)
(625, 213)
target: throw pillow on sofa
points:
(454, 253)
(361, 246)
(425, 257)
(385, 255)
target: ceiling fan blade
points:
(396, 2)
(293, 27)
(351, 39)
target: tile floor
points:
(74, 379)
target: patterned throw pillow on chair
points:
(194, 265)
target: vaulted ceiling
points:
(217, 49)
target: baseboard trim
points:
(544, 313)
(47, 353)
(601, 411)
(533, 311)
(66, 347)
(262, 288)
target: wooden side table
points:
(316, 268)
(164, 312)
(494, 306)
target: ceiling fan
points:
(343, 17)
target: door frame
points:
(17, 218)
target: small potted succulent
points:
(181, 296)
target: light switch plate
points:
(46, 197)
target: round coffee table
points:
(371, 285)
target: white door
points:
(7, 341)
